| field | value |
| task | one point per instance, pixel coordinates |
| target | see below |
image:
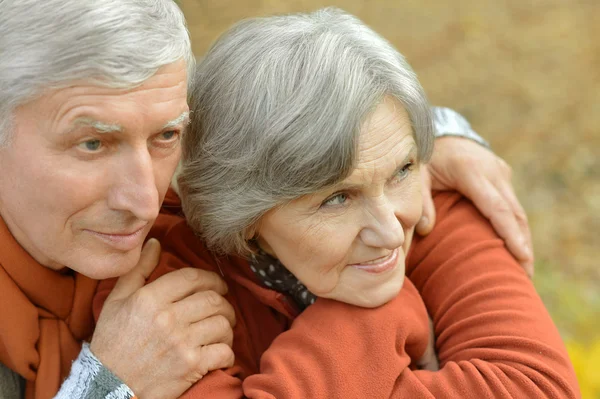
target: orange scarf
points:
(44, 317)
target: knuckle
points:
(499, 205)
(190, 360)
(189, 273)
(165, 320)
(231, 313)
(222, 324)
(470, 162)
(213, 281)
(218, 356)
(213, 298)
(521, 215)
(229, 357)
(505, 167)
(142, 299)
(229, 338)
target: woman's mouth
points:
(379, 265)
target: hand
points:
(429, 360)
(463, 165)
(162, 337)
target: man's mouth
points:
(123, 240)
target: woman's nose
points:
(382, 228)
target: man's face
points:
(87, 168)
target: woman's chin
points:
(374, 296)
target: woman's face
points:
(349, 242)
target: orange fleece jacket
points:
(495, 339)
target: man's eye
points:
(91, 145)
(169, 135)
(337, 199)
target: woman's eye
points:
(91, 145)
(402, 173)
(337, 199)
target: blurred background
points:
(526, 74)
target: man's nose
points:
(135, 189)
(382, 228)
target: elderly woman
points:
(301, 177)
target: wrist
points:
(449, 123)
(89, 378)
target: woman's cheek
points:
(411, 198)
(326, 266)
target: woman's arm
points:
(329, 352)
(495, 337)
(336, 350)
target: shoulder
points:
(459, 226)
(454, 211)
(450, 206)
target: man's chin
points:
(108, 266)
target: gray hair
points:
(46, 44)
(277, 107)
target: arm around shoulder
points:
(495, 337)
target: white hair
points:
(47, 44)
(278, 105)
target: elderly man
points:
(93, 101)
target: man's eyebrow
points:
(100, 127)
(103, 127)
(183, 119)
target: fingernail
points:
(527, 251)
(150, 243)
(424, 221)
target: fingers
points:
(525, 255)
(182, 283)
(494, 206)
(136, 278)
(427, 220)
(485, 179)
(216, 356)
(202, 305)
(212, 330)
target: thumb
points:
(427, 221)
(136, 278)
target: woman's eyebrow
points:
(412, 153)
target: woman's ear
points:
(251, 233)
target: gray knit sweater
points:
(89, 379)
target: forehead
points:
(386, 136)
(160, 99)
